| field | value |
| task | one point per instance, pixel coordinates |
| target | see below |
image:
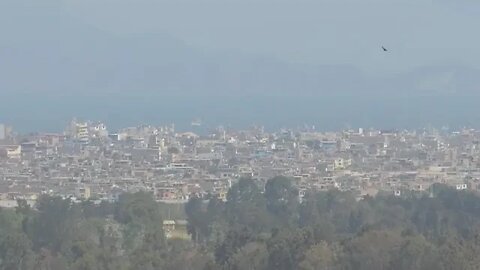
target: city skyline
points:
(239, 134)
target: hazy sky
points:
(418, 32)
(59, 57)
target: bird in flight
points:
(384, 49)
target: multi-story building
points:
(79, 131)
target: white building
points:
(98, 130)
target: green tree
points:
(282, 199)
(53, 221)
(416, 253)
(198, 220)
(286, 247)
(236, 238)
(246, 206)
(318, 257)
(15, 252)
(372, 250)
(45, 260)
(454, 254)
(252, 256)
(138, 208)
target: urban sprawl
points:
(89, 162)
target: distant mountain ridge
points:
(60, 55)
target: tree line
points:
(259, 227)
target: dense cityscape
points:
(239, 135)
(87, 161)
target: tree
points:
(454, 255)
(236, 238)
(244, 191)
(252, 256)
(318, 257)
(282, 199)
(309, 214)
(246, 206)
(139, 208)
(372, 250)
(23, 207)
(55, 219)
(198, 220)
(252, 230)
(287, 246)
(416, 253)
(184, 255)
(15, 252)
(47, 261)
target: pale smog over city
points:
(239, 134)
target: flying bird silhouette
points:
(384, 49)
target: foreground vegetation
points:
(255, 229)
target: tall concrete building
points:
(79, 131)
